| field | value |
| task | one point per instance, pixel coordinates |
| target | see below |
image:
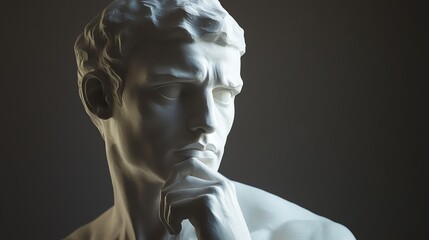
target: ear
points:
(98, 95)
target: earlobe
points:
(97, 95)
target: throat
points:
(137, 207)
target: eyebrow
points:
(161, 79)
(165, 75)
(234, 83)
(164, 78)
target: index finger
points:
(193, 167)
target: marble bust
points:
(158, 79)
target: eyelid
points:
(160, 85)
(234, 89)
(172, 86)
(223, 99)
(162, 82)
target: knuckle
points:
(206, 203)
(187, 179)
(215, 190)
(224, 184)
(208, 199)
(193, 162)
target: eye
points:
(223, 95)
(169, 91)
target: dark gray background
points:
(332, 115)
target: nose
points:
(203, 118)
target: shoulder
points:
(312, 230)
(271, 217)
(263, 208)
(83, 233)
(89, 231)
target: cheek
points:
(146, 132)
(226, 118)
(162, 120)
(142, 123)
(151, 116)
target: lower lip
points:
(203, 156)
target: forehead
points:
(194, 61)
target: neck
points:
(136, 200)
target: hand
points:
(205, 197)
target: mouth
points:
(199, 146)
(203, 152)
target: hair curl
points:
(109, 39)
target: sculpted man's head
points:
(158, 79)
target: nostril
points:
(203, 118)
(201, 129)
(209, 129)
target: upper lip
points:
(199, 146)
